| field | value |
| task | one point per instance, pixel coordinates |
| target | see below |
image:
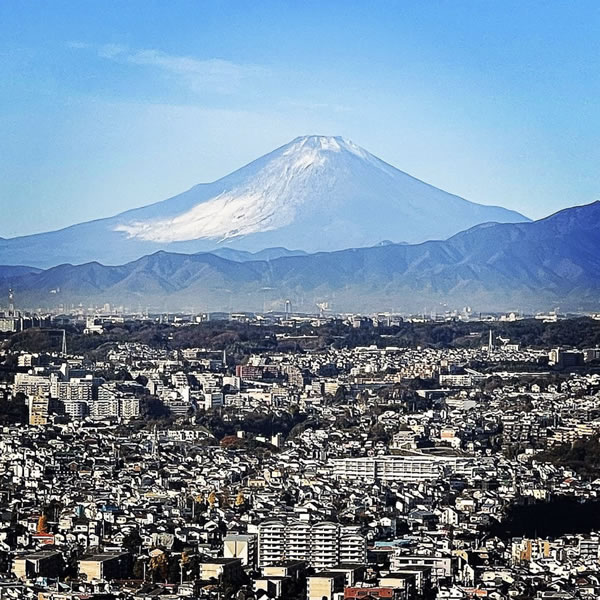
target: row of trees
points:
(582, 456)
(242, 339)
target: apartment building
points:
(30, 385)
(458, 380)
(76, 390)
(389, 468)
(321, 545)
(422, 566)
(39, 410)
(107, 405)
(76, 409)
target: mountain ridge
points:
(550, 262)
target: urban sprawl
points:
(278, 461)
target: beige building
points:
(38, 564)
(240, 546)
(323, 586)
(525, 550)
(105, 566)
(38, 410)
(221, 569)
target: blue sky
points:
(110, 105)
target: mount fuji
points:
(314, 194)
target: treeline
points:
(583, 456)
(552, 519)
(242, 339)
(257, 423)
(13, 411)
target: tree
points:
(15, 410)
(132, 541)
(492, 383)
(52, 510)
(340, 395)
(159, 565)
(212, 498)
(190, 565)
(42, 524)
(378, 433)
(123, 375)
(138, 569)
(155, 409)
(174, 571)
(142, 380)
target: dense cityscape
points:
(299, 300)
(298, 456)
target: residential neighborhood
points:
(136, 471)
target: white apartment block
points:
(441, 566)
(72, 390)
(412, 468)
(129, 407)
(321, 545)
(31, 385)
(105, 407)
(464, 380)
(108, 405)
(76, 409)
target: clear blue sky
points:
(109, 105)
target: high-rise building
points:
(31, 385)
(76, 390)
(76, 409)
(399, 468)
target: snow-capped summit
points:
(316, 193)
(327, 143)
(269, 194)
(312, 186)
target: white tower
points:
(63, 346)
(11, 303)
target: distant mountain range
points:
(538, 265)
(266, 254)
(8, 271)
(316, 194)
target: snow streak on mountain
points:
(314, 183)
(265, 195)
